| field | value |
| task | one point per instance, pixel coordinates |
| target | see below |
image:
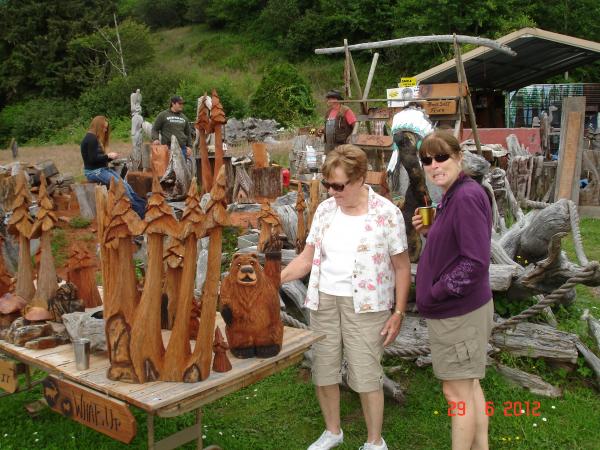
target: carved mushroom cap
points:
(37, 314)
(11, 303)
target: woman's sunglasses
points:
(427, 160)
(337, 187)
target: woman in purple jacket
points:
(453, 287)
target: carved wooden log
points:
(203, 126)
(314, 201)
(82, 273)
(216, 212)
(221, 362)
(533, 383)
(537, 341)
(270, 226)
(174, 265)
(218, 120)
(178, 351)
(266, 183)
(146, 346)
(20, 225)
(117, 222)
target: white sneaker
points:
(369, 446)
(327, 440)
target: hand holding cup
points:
(422, 219)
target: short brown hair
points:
(438, 143)
(350, 158)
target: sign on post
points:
(407, 82)
(106, 415)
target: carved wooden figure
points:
(174, 265)
(300, 208)
(44, 222)
(20, 225)
(270, 225)
(146, 345)
(218, 120)
(203, 126)
(82, 273)
(250, 308)
(221, 362)
(117, 223)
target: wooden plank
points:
(442, 90)
(8, 375)
(104, 414)
(371, 140)
(570, 149)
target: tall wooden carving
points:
(20, 226)
(82, 273)
(204, 128)
(44, 222)
(117, 223)
(147, 349)
(269, 224)
(218, 120)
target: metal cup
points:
(426, 213)
(82, 353)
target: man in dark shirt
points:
(172, 122)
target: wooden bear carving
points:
(250, 309)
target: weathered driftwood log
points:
(177, 178)
(203, 126)
(533, 383)
(594, 328)
(174, 265)
(6, 280)
(218, 121)
(20, 225)
(85, 193)
(590, 358)
(537, 341)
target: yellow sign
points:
(407, 82)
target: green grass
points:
(79, 222)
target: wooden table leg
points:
(150, 423)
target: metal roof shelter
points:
(540, 55)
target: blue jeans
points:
(103, 175)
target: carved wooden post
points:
(203, 127)
(174, 262)
(82, 273)
(217, 217)
(314, 201)
(147, 349)
(44, 222)
(269, 224)
(218, 120)
(301, 229)
(177, 367)
(117, 222)
(20, 225)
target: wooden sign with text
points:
(435, 107)
(8, 375)
(371, 140)
(106, 415)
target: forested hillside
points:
(64, 61)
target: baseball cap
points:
(334, 93)
(177, 99)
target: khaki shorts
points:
(459, 344)
(356, 335)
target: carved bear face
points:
(245, 267)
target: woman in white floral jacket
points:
(356, 253)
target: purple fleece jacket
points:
(453, 272)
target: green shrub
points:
(191, 89)
(283, 95)
(35, 119)
(79, 222)
(161, 13)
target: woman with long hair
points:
(96, 156)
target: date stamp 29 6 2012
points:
(508, 408)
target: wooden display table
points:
(163, 399)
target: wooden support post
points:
(570, 149)
(462, 78)
(314, 201)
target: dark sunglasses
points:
(337, 187)
(427, 160)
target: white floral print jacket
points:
(373, 279)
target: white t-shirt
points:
(339, 253)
